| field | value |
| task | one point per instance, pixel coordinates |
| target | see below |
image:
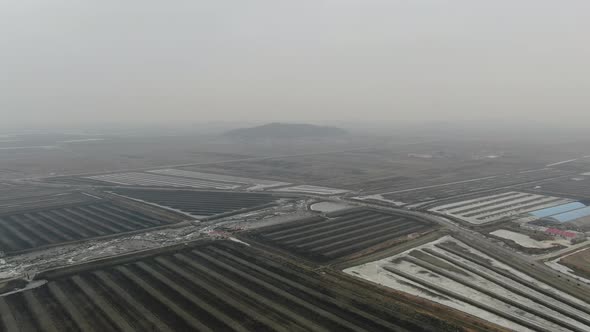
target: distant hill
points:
(285, 130)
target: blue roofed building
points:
(557, 209)
(572, 215)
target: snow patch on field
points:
(495, 207)
(305, 189)
(329, 207)
(82, 140)
(400, 273)
(255, 184)
(379, 197)
(238, 241)
(196, 217)
(524, 240)
(43, 147)
(148, 179)
(31, 285)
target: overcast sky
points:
(82, 61)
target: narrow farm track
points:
(331, 238)
(48, 226)
(218, 286)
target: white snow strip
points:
(495, 207)
(146, 179)
(376, 272)
(379, 197)
(567, 161)
(238, 241)
(329, 207)
(257, 183)
(45, 147)
(312, 190)
(82, 140)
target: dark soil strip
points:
(8, 320)
(187, 316)
(113, 315)
(95, 223)
(23, 235)
(372, 240)
(226, 300)
(312, 292)
(298, 226)
(67, 218)
(71, 230)
(115, 217)
(330, 229)
(285, 310)
(50, 227)
(64, 300)
(7, 238)
(350, 232)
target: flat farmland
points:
(579, 263)
(306, 189)
(324, 239)
(466, 187)
(452, 273)
(37, 198)
(218, 286)
(383, 169)
(199, 203)
(35, 228)
(577, 186)
(158, 180)
(492, 208)
(244, 183)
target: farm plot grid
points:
(157, 180)
(214, 287)
(439, 191)
(491, 208)
(252, 184)
(451, 273)
(306, 189)
(32, 200)
(324, 239)
(47, 226)
(199, 203)
(577, 186)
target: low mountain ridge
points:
(286, 130)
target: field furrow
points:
(350, 231)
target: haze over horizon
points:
(376, 61)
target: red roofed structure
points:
(560, 232)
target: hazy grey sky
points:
(297, 60)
